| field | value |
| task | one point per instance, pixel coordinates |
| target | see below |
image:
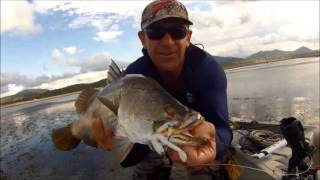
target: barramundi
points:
(139, 110)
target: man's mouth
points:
(166, 53)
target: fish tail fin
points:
(84, 99)
(114, 72)
(63, 139)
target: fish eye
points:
(170, 110)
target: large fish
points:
(138, 110)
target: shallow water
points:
(28, 153)
(265, 92)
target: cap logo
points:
(162, 4)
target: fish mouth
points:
(179, 133)
(187, 139)
(189, 122)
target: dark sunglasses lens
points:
(155, 34)
(178, 33)
(158, 33)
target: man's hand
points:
(199, 156)
(103, 136)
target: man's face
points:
(166, 42)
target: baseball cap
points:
(162, 9)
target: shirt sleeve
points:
(213, 105)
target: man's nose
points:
(167, 39)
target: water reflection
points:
(28, 153)
(276, 90)
(262, 109)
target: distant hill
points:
(31, 94)
(262, 54)
(225, 60)
(302, 50)
(276, 52)
(270, 56)
(23, 94)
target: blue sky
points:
(52, 44)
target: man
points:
(188, 73)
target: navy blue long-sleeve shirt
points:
(203, 88)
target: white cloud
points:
(70, 50)
(242, 28)
(52, 82)
(106, 17)
(218, 25)
(13, 82)
(57, 56)
(115, 27)
(12, 89)
(17, 18)
(88, 77)
(43, 7)
(97, 22)
(107, 36)
(96, 62)
(91, 11)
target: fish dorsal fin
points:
(84, 99)
(109, 104)
(114, 72)
(120, 150)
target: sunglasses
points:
(157, 33)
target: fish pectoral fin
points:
(121, 149)
(109, 104)
(84, 98)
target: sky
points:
(53, 44)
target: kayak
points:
(259, 151)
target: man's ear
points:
(142, 38)
(189, 34)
